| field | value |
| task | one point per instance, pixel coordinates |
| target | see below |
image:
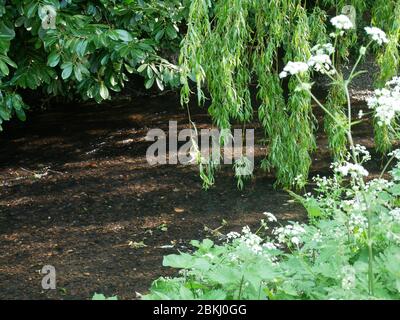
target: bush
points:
(84, 48)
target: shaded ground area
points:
(77, 193)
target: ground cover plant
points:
(350, 249)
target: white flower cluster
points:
(324, 182)
(377, 185)
(321, 63)
(293, 68)
(395, 82)
(395, 154)
(270, 217)
(321, 182)
(327, 48)
(353, 169)
(358, 223)
(342, 22)
(252, 241)
(386, 102)
(249, 239)
(290, 234)
(317, 237)
(395, 214)
(377, 35)
(362, 152)
(356, 204)
(233, 235)
(349, 278)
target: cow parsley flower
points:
(358, 223)
(327, 48)
(395, 214)
(290, 234)
(296, 240)
(377, 185)
(269, 246)
(362, 152)
(377, 35)
(349, 278)
(395, 154)
(270, 217)
(233, 235)
(351, 168)
(342, 22)
(293, 68)
(317, 237)
(386, 102)
(395, 82)
(321, 63)
(233, 257)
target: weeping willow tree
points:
(386, 14)
(231, 43)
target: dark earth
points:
(77, 193)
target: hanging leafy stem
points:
(191, 58)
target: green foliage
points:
(337, 139)
(230, 43)
(350, 249)
(91, 49)
(387, 15)
(191, 56)
(102, 297)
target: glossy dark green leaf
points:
(67, 70)
(104, 93)
(53, 59)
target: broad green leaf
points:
(78, 72)
(53, 59)
(142, 68)
(6, 33)
(180, 261)
(20, 114)
(159, 35)
(4, 114)
(160, 84)
(104, 93)
(124, 35)
(98, 296)
(8, 61)
(149, 83)
(67, 70)
(4, 69)
(171, 32)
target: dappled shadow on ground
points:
(76, 190)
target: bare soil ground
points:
(77, 193)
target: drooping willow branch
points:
(230, 43)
